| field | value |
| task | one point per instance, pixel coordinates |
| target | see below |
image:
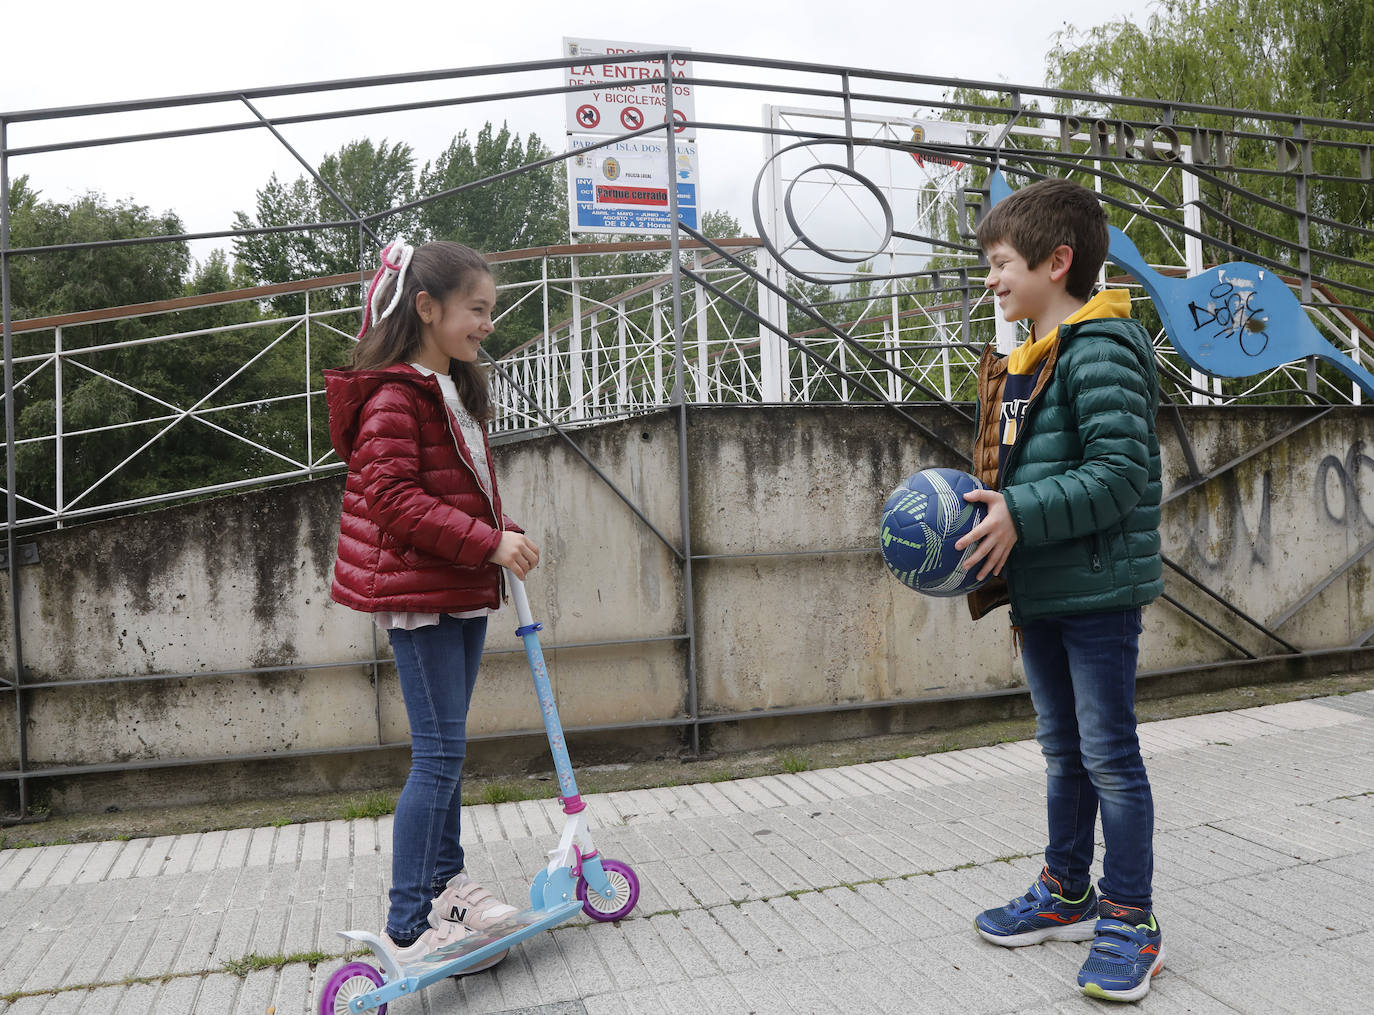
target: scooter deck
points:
(414, 976)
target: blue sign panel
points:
(1234, 320)
(622, 186)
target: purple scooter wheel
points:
(626, 886)
(352, 980)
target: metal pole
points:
(309, 414)
(11, 506)
(680, 400)
(59, 458)
(544, 390)
(576, 410)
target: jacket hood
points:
(1124, 329)
(347, 391)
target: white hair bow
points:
(396, 257)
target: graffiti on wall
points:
(1345, 487)
(1218, 534)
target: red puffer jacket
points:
(417, 528)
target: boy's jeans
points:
(1081, 674)
(437, 666)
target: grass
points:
(373, 805)
(794, 762)
(235, 967)
(507, 793)
(253, 962)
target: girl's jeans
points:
(1081, 674)
(437, 666)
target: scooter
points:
(576, 879)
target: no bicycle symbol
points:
(681, 118)
(632, 118)
(588, 116)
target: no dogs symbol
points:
(632, 118)
(588, 116)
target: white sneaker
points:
(443, 937)
(466, 902)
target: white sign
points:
(620, 101)
(623, 187)
(938, 132)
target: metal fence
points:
(861, 283)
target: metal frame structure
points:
(734, 321)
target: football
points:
(921, 521)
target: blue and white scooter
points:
(576, 878)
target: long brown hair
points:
(437, 268)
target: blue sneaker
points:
(1126, 953)
(1042, 914)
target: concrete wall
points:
(226, 586)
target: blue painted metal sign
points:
(622, 186)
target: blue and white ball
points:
(921, 521)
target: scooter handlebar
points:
(522, 602)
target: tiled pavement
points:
(835, 890)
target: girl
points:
(422, 542)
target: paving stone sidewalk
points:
(835, 890)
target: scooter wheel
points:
(626, 886)
(352, 980)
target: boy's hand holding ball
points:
(996, 534)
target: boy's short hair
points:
(1038, 218)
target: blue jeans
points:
(1081, 674)
(437, 666)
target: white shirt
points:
(472, 437)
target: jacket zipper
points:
(1098, 546)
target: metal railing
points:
(893, 313)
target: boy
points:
(1066, 445)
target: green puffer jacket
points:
(1082, 483)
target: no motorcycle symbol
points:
(681, 118)
(632, 118)
(588, 116)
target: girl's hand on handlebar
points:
(517, 552)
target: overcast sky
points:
(65, 52)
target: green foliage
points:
(1310, 57)
(68, 281)
(369, 178)
(506, 792)
(253, 962)
(373, 805)
(99, 390)
(528, 209)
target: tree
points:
(60, 282)
(63, 282)
(525, 209)
(369, 178)
(1310, 57)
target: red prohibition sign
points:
(681, 117)
(632, 118)
(588, 116)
